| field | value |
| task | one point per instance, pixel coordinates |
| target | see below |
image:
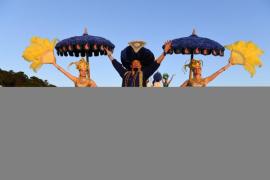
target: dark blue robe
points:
(130, 80)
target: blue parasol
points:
(194, 44)
(84, 46)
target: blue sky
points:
(122, 21)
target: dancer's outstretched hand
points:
(48, 58)
(168, 46)
(109, 53)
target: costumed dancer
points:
(138, 63)
(41, 51)
(198, 80)
(242, 53)
(166, 82)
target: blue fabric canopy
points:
(197, 45)
(85, 45)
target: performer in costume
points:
(41, 51)
(198, 81)
(157, 80)
(138, 63)
(166, 82)
(243, 53)
(82, 80)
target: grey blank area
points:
(134, 134)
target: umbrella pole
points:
(190, 70)
(87, 59)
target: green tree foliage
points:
(19, 79)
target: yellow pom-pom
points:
(247, 54)
(40, 51)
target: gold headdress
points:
(194, 64)
(82, 64)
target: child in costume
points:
(157, 80)
(41, 51)
(138, 63)
(165, 80)
(242, 53)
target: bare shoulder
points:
(185, 84)
(92, 83)
(206, 80)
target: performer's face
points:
(136, 64)
(83, 72)
(197, 71)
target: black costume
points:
(139, 78)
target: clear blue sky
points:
(124, 20)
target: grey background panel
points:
(140, 134)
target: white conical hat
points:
(137, 45)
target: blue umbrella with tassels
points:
(84, 46)
(194, 44)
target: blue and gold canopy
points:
(85, 45)
(196, 45)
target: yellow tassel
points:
(247, 54)
(39, 52)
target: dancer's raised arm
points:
(216, 74)
(70, 76)
(109, 54)
(117, 66)
(168, 46)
